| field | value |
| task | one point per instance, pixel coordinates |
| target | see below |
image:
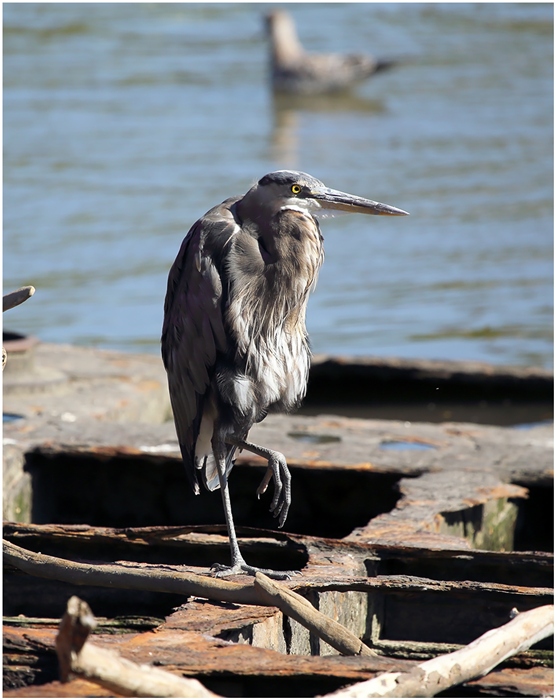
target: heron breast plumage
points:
(266, 318)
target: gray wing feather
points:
(193, 330)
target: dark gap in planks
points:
(535, 521)
(477, 691)
(263, 548)
(22, 595)
(417, 391)
(483, 566)
(455, 618)
(266, 686)
(28, 662)
(136, 492)
(503, 413)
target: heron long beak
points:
(334, 199)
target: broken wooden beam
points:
(12, 299)
(299, 608)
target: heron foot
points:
(221, 570)
(279, 472)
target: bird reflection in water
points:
(306, 83)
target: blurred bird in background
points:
(234, 341)
(296, 72)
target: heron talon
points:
(221, 570)
(265, 482)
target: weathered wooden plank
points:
(405, 389)
(460, 489)
(77, 688)
(396, 607)
(515, 682)
(171, 545)
(534, 683)
(431, 677)
(263, 626)
(77, 656)
(322, 442)
(194, 654)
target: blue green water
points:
(123, 123)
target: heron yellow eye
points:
(296, 189)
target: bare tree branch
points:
(472, 661)
(129, 577)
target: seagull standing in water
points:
(296, 72)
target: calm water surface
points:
(123, 123)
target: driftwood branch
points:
(78, 657)
(129, 577)
(8, 302)
(263, 591)
(300, 609)
(473, 661)
(16, 298)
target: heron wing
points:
(193, 329)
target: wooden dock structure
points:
(422, 516)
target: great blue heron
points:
(234, 341)
(296, 72)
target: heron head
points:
(289, 189)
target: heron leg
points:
(239, 565)
(237, 559)
(277, 470)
